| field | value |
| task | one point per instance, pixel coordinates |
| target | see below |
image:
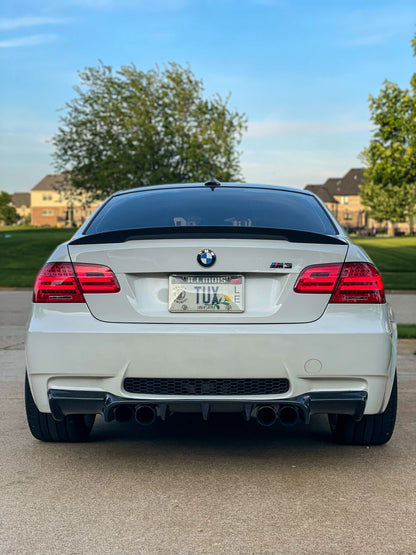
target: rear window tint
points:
(224, 206)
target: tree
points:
(8, 214)
(130, 128)
(389, 187)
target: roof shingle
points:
(322, 192)
(340, 186)
(21, 199)
(50, 183)
(347, 185)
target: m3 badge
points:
(284, 265)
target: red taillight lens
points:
(62, 282)
(95, 278)
(357, 282)
(321, 278)
(56, 283)
(360, 282)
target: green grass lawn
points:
(406, 331)
(395, 257)
(24, 251)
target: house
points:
(21, 203)
(342, 196)
(326, 197)
(54, 203)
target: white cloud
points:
(296, 168)
(24, 148)
(368, 27)
(279, 128)
(43, 139)
(7, 24)
(31, 40)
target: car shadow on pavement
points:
(222, 432)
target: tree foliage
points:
(389, 188)
(130, 128)
(8, 214)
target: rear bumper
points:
(349, 349)
(63, 403)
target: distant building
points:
(21, 203)
(326, 197)
(343, 198)
(51, 206)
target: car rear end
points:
(231, 298)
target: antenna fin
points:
(212, 183)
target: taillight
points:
(321, 278)
(360, 282)
(352, 282)
(63, 282)
(94, 278)
(56, 283)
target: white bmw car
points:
(211, 298)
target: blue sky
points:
(301, 70)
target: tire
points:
(372, 429)
(74, 428)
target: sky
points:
(301, 71)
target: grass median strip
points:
(23, 252)
(395, 257)
(406, 331)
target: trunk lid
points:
(143, 267)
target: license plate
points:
(196, 293)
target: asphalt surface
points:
(193, 487)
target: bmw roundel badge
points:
(206, 258)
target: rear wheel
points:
(74, 428)
(372, 429)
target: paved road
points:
(404, 307)
(194, 487)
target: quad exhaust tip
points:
(123, 413)
(288, 416)
(266, 415)
(145, 415)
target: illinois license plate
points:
(196, 293)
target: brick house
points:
(50, 206)
(342, 196)
(326, 197)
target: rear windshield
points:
(223, 206)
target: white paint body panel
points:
(67, 348)
(143, 268)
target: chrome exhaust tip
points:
(266, 415)
(288, 416)
(145, 415)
